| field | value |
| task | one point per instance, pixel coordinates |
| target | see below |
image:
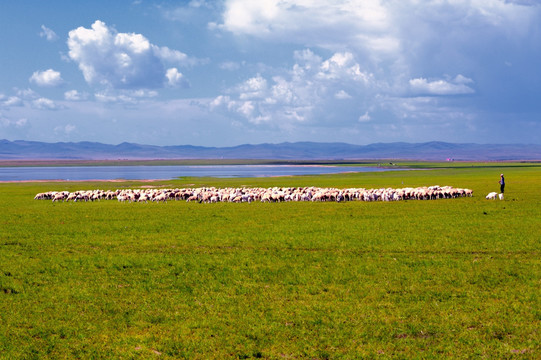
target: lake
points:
(169, 172)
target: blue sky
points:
(223, 73)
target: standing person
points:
(502, 183)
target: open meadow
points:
(448, 278)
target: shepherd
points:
(502, 183)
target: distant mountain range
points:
(34, 150)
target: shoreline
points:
(41, 174)
(186, 162)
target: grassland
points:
(455, 278)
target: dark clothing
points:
(502, 184)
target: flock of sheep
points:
(275, 194)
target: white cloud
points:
(47, 33)
(246, 108)
(461, 79)
(174, 77)
(307, 59)
(340, 66)
(304, 94)
(142, 93)
(12, 101)
(330, 24)
(377, 25)
(219, 101)
(342, 95)
(391, 39)
(48, 78)
(18, 124)
(310, 95)
(122, 60)
(365, 117)
(253, 88)
(65, 130)
(27, 94)
(108, 97)
(74, 95)
(441, 87)
(45, 104)
(21, 122)
(172, 56)
(125, 96)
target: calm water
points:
(167, 172)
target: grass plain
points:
(455, 278)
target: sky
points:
(231, 72)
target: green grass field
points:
(456, 278)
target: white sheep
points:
(491, 196)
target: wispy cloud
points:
(457, 86)
(74, 95)
(45, 104)
(48, 34)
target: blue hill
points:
(34, 150)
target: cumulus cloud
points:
(47, 78)
(253, 88)
(304, 94)
(28, 98)
(336, 92)
(340, 66)
(457, 86)
(48, 34)
(174, 78)
(122, 60)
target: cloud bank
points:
(312, 85)
(388, 67)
